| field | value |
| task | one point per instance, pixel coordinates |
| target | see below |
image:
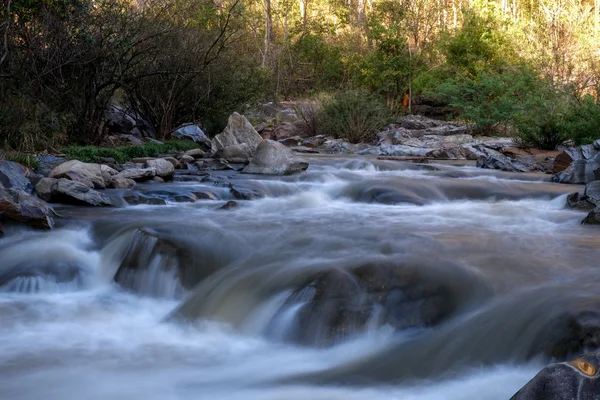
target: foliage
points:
(581, 123)
(126, 153)
(353, 115)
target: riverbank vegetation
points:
(525, 68)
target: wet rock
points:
(577, 201)
(108, 173)
(71, 192)
(273, 158)
(186, 159)
(229, 205)
(135, 199)
(210, 164)
(592, 192)
(586, 160)
(158, 179)
(138, 174)
(164, 168)
(241, 192)
(576, 380)
(191, 132)
(341, 303)
(121, 183)
(89, 171)
(238, 131)
(593, 218)
(15, 176)
(174, 161)
(205, 196)
(150, 266)
(20, 206)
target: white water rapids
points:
(505, 244)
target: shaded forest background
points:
(528, 68)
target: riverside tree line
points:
(529, 68)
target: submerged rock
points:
(574, 380)
(273, 158)
(342, 303)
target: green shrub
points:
(126, 153)
(354, 116)
(581, 123)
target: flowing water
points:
(359, 279)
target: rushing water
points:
(215, 304)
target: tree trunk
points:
(268, 32)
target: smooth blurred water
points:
(504, 243)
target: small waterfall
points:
(150, 266)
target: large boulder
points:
(164, 168)
(70, 192)
(585, 160)
(239, 130)
(574, 380)
(127, 121)
(191, 132)
(18, 205)
(88, 174)
(14, 176)
(273, 158)
(236, 152)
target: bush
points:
(581, 123)
(354, 116)
(126, 153)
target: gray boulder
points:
(575, 380)
(273, 158)
(191, 132)
(585, 160)
(81, 172)
(18, 205)
(239, 151)
(137, 174)
(593, 218)
(14, 176)
(492, 159)
(118, 182)
(164, 168)
(71, 192)
(45, 187)
(239, 130)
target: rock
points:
(48, 162)
(561, 162)
(20, 206)
(132, 140)
(164, 168)
(158, 179)
(241, 192)
(576, 380)
(121, 183)
(195, 153)
(341, 303)
(273, 158)
(108, 173)
(492, 159)
(186, 159)
(45, 187)
(238, 131)
(141, 160)
(229, 205)
(150, 266)
(205, 196)
(121, 120)
(578, 202)
(592, 192)
(75, 176)
(135, 199)
(191, 132)
(91, 172)
(418, 122)
(138, 174)
(71, 192)
(239, 151)
(586, 159)
(173, 161)
(593, 218)
(210, 164)
(15, 176)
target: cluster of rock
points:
(24, 195)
